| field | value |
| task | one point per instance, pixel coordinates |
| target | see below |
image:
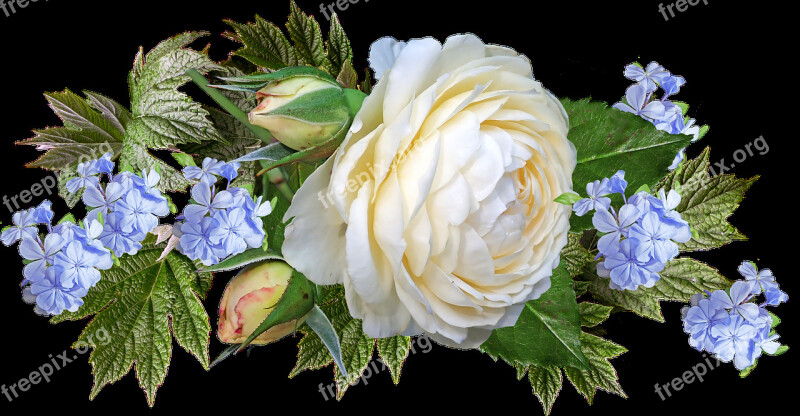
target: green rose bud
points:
(302, 107)
(257, 292)
(301, 112)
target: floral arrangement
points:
(435, 201)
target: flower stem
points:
(278, 178)
(227, 105)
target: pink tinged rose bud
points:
(249, 298)
(301, 112)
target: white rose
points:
(437, 212)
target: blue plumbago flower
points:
(597, 199)
(651, 75)
(57, 292)
(760, 281)
(233, 231)
(104, 164)
(682, 231)
(672, 85)
(103, 200)
(737, 301)
(698, 321)
(774, 296)
(93, 245)
(136, 213)
(70, 231)
(672, 112)
(230, 171)
(78, 264)
(87, 177)
(615, 225)
(211, 168)
(617, 183)
(734, 338)
(41, 255)
(24, 228)
(43, 214)
(205, 202)
(198, 240)
(146, 184)
(636, 97)
(626, 271)
(117, 239)
(654, 239)
(735, 328)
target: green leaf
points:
(546, 383)
(357, 347)
(113, 112)
(71, 199)
(340, 53)
(164, 117)
(272, 152)
(183, 159)
(142, 303)
(307, 38)
(568, 198)
(680, 280)
(608, 139)
(707, 202)
(264, 44)
(240, 260)
(600, 373)
(86, 134)
(393, 352)
(574, 255)
(321, 325)
(593, 314)
(547, 332)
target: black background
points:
(741, 81)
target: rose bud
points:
(302, 107)
(253, 295)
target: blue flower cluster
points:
(730, 325)
(219, 223)
(64, 263)
(638, 239)
(666, 115)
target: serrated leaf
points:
(680, 280)
(707, 202)
(546, 383)
(142, 303)
(357, 347)
(164, 117)
(86, 134)
(601, 374)
(593, 314)
(574, 255)
(547, 331)
(684, 277)
(347, 78)
(264, 44)
(114, 112)
(636, 301)
(393, 352)
(608, 140)
(322, 326)
(340, 53)
(307, 38)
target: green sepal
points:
(253, 83)
(240, 260)
(321, 325)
